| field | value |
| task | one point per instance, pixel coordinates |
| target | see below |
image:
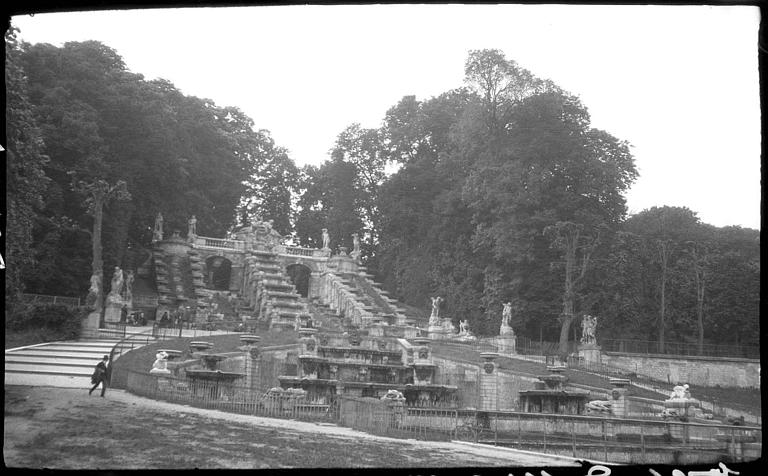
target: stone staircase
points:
(273, 296)
(56, 364)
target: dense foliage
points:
(503, 192)
(498, 191)
(81, 124)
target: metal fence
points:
(599, 438)
(46, 299)
(232, 398)
(634, 346)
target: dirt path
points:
(60, 428)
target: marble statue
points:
(326, 239)
(434, 318)
(355, 246)
(588, 327)
(192, 226)
(464, 327)
(94, 292)
(393, 396)
(506, 314)
(680, 392)
(599, 406)
(117, 283)
(161, 363)
(157, 234)
(128, 293)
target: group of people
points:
(172, 319)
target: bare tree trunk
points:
(98, 264)
(664, 252)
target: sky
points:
(679, 83)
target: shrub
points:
(64, 322)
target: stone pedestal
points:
(590, 353)
(507, 341)
(113, 311)
(489, 382)
(91, 321)
(160, 372)
(619, 391)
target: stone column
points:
(619, 390)
(315, 285)
(489, 382)
(252, 359)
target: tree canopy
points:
(497, 191)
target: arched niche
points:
(218, 272)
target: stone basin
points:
(211, 360)
(553, 381)
(199, 346)
(249, 339)
(216, 375)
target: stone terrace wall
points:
(705, 371)
(466, 376)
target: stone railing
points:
(298, 251)
(218, 243)
(339, 297)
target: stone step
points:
(51, 369)
(53, 348)
(44, 361)
(48, 380)
(84, 344)
(62, 354)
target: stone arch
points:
(218, 273)
(300, 275)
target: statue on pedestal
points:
(157, 233)
(326, 239)
(588, 327)
(463, 327)
(93, 299)
(434, 319)
(192, 231)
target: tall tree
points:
(25, 175)
(577, 249)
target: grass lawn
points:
(67, 429)
(737, 398)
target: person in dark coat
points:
(100, 376)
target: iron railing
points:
(47, 299)
(599, 438)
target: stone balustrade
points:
(218, 243)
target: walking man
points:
(100, 376)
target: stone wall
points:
(466, 376)
(705, 371)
